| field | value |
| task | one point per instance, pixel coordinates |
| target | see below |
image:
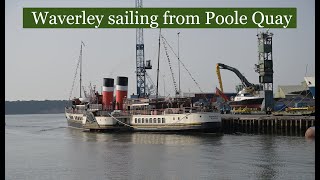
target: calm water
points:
(43, 147)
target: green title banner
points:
(159, 17)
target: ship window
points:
(142, 120)
(173, 118)
(139, 120)
(159, 120)
(178, 118)
(146, 120)
(186, 117)
(154, 120)
(150, 120)
(135, 120)
(163, 120)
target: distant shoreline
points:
(34, 114)
(35, 107)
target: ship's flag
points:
(218, 92)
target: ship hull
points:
(205, 122)
(214, 127)
(312, 89)
(186, 122)
(97, 123)
(75, 120)
(311, 85)
(249, 103)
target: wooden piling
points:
(290, 125)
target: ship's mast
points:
(179, 65)
(81, 67)
(157, 92)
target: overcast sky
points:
(40, 63)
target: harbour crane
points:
(249, 87)
(141, 66)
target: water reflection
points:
(89, 136)
(268, 160)
(172, 139)
(67, 153)
(145, 138)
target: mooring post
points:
(296, 127)
(300, 125)
(232, 125)
(306, 124)
(286, 123)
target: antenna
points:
(267, 30)
(306, 70)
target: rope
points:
(75, 75)
(120, 121)
(165, 40)
(286, 105)
(174, 81)
(74, 78)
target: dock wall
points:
(280, 125)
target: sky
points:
(40, 64)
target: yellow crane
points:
(219, 76)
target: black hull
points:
(109, 128)
(214, 127)
(249, 103)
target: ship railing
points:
(112, 112)
(74, 111)
(168, 111)
(95, 106)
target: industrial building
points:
(292, 91)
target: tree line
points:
(35, 107)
